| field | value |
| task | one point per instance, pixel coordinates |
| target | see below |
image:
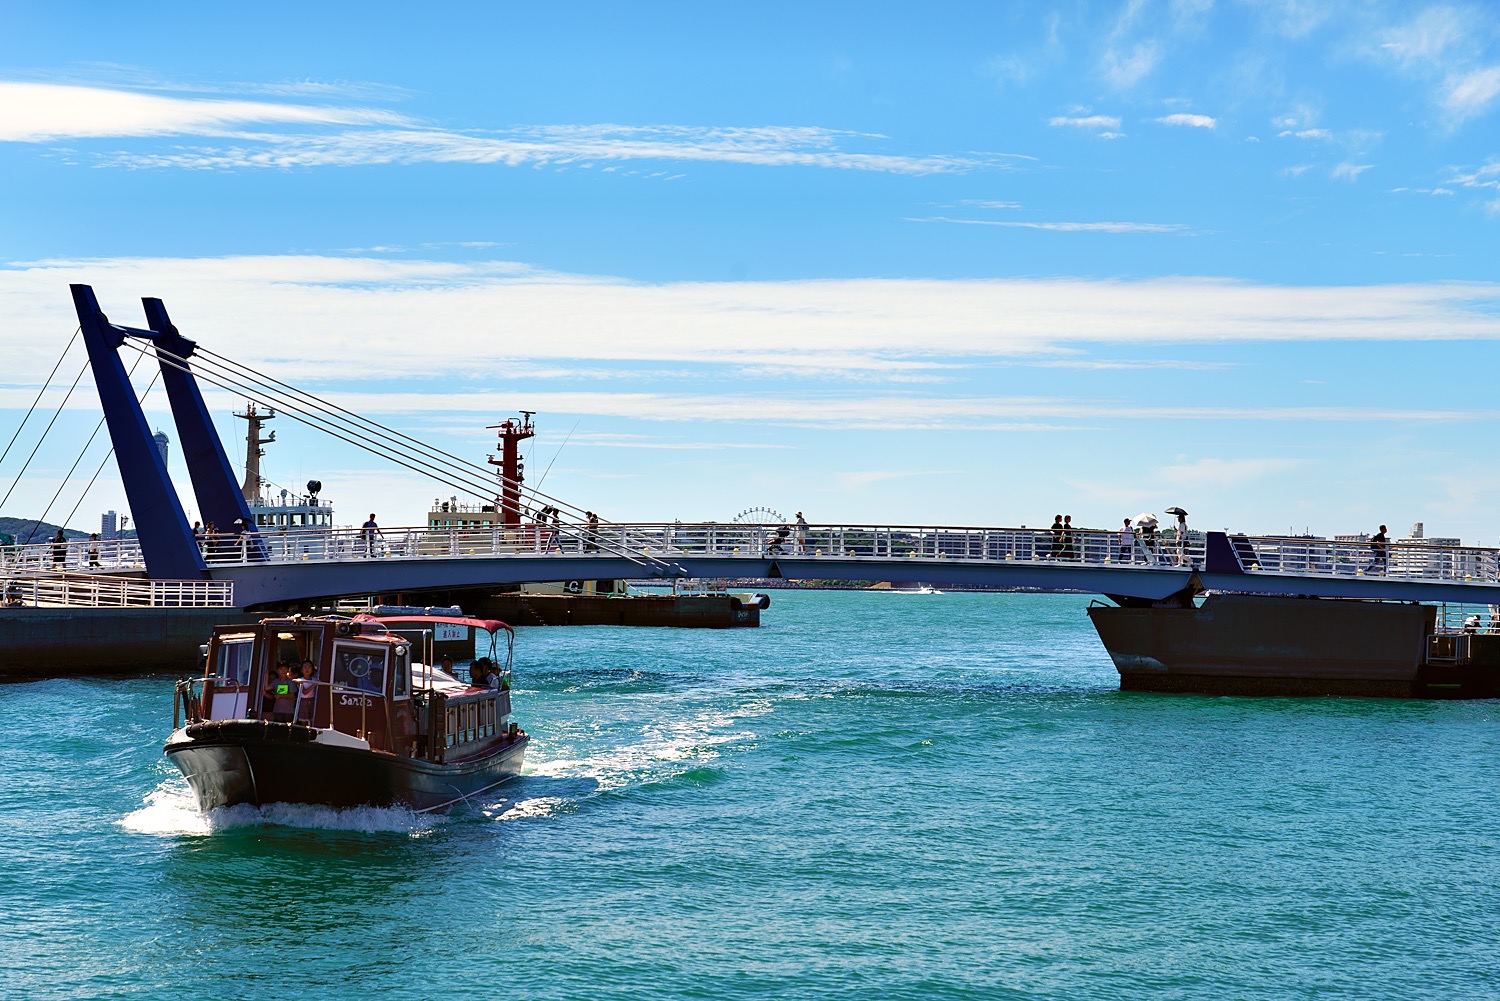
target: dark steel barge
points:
(1247, 644)
(364, 726)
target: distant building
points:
(162, 441)
(109, 525)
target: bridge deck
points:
(321, 563)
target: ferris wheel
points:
(760, 516)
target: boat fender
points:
(575, 586)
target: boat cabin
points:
(352, 677)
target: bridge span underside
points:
(279, 584)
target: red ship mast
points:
(512, 472)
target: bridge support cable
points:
(463, 467)
(84, 450)
(470, 480)
(46, 384)
(45, 431)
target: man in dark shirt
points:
(1380, 550)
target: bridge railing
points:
(1272, 555)
(33, 589)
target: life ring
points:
(575, 586)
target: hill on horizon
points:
(20, 528)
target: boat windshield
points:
(359, 668)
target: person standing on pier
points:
(1055, 548)
(591, 540)
(367, 533)
(1380, 552)
(59, 551)
(1182, 537)
(801, 536)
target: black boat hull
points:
(254, 771)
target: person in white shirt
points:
(1127, 543)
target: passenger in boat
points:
(59, 550)
(268, 694)
(210, 542)
(94, 551)
(307, 688)
(1069, 539)
(483, 673)
(285, 689)
(801, 540)
(446, 665)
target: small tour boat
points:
(364, 725)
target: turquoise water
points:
(874, 795)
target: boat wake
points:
(664, 753)
(170, 811)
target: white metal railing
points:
(656, 542)
(63, 590)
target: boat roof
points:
(490, 626)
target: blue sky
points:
(976, 266)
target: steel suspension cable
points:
(213, 372)
(39, 392)
(106, 458)
(27, 464)
(375, 427)
(72, 469)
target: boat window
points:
(401, 682)
(361, 668)
(233, 667)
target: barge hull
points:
(1259, 645)
(64, 642)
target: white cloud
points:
(1190, 121)
(269, 135)
(1472, 93)
(39, 112)
(570, 145)
(1305, 134)
(307, 317)
(1124, 69)
(1069, 227)
(1350, 171)
(1105, 122)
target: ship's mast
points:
(253, 451)
(512, 472)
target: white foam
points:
(668, 749)
(171, 811)
(541, 806)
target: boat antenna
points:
(559, 452)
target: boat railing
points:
(42, 589)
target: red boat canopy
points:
(490, 626)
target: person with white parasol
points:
(1181, 533)
(1145, 523)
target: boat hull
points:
(233, 770)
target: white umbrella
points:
(1143, 518)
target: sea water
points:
(874, 795)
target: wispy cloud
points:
(1124, 67)
(368, 307)
(1349, 171)
(41, 112)
(1190, 121)
(1472, 93)
(270, 135)
(1069, 227)
(580, 145)
(1108, 123)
